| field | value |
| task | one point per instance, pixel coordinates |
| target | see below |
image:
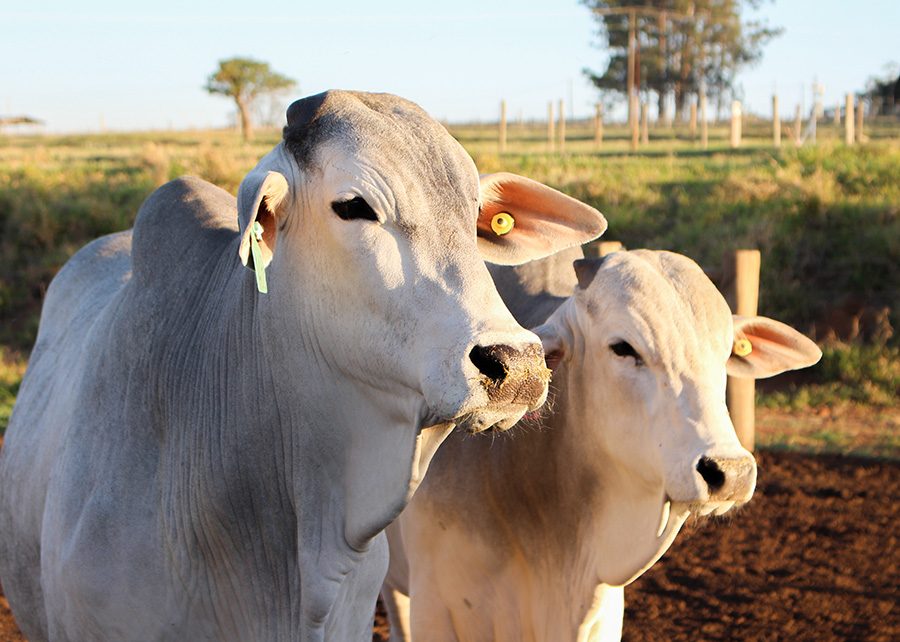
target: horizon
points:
(457, 65)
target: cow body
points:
(532, 535)
(191, 459)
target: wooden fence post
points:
(645, 125)
(562, 126)
(692, 123)
(704, 126)
(608, 247)
(849, 121)
(502, 126)
(742, 392)
(634, 123)
(735, 124)
(551, 127)
(598, 126)
(798, 126)
(776, 123)
(860, 137)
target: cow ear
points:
(556, 340)
(261, 198)
(522, 220)
(764, 347)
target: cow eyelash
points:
(624, 349)
(355, 208)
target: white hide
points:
(190, 459)
(533, 534)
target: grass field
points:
(826, 219)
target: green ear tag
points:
(255, 238)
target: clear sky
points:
(129, 65)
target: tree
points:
(244, 80)
(685, 46)
(883, 93)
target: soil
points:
(814, 556)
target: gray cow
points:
(192, 459)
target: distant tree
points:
(699, 43)
(244, 80)
(883, 93)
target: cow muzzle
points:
(511, 381)
(727, 480)
(512, 376)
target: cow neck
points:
(603, 527)
(620, 529)
(293, 453)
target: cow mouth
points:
(493, 420)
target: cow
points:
(206, 451)
(533, 536)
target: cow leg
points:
(397, 605)
(608, 613)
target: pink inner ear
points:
(546, 220)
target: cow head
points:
(373, 228)
(652, 340)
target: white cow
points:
(192, 459)
(532, 536)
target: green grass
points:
(12, 367)
(864, 374)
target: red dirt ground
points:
(814, 556)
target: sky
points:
(97, 64)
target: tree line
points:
(683, 47)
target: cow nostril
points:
(490, 361)
(711, 473)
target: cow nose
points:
(728, 478)
(492, 361)
(513, 375)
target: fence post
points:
(551, 127)
(598, 125)
(776, 123)
(849, 121)
(502, 126)
(859, 122)
(608, 247)
(633, 123)
(645, 125)
(704, 126)
(742, 392)
(735, 124)
(798, 126)
(562, 126)
(692, 123)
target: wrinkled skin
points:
(532, 535)
(192, 459)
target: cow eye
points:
(624, 349)
(355, 208)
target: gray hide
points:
(533, 291)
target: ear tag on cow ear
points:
(502, 223)
(258, 267)
(742, 347)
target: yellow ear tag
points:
(502, 223)
(742, 347)
(255, 237)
